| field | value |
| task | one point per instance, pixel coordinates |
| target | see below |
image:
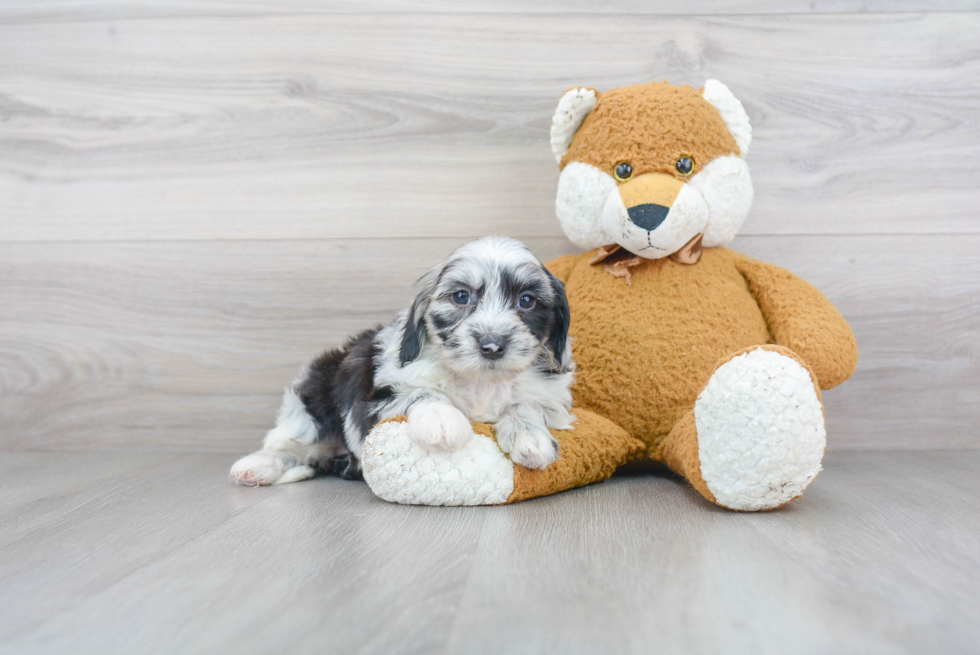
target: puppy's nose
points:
(492, 346)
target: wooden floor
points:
(138, 552)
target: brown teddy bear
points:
(687, 353)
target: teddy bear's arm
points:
(479, 473)
(561, 268)
(802, 319)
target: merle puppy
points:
(486, 339)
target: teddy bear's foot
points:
(480, 473)
(756, 436)
(761, 434)
(400, 471)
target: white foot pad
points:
(400, 471)
(761, 434)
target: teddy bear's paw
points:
(438, 426)
(760, 431)
(400, 471)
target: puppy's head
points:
(490, 310)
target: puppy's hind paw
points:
(438, 426)
(261, 468)
(296, 474)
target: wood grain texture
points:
(85, 524)
(881, 556)
(293, 126)
(318, 567)
(145, 343)
(640, 562)
(36, 490)
(196, 197)
(75, 10)
(188, 345)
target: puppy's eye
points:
(623, 171)
(526, 301)
(461, 297)
(684, 165)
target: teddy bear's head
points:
(651, 167)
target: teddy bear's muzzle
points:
(649, 197)
(654, 215)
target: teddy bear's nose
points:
(649, 197)
(648, 216)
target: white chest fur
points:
(483, 401)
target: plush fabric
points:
(572, 109)
(731, 111)
(711, 365)
(760, 429)
(681, 449)
(644, 349)
(650, 126)
(479, 473)
(400, 471)
(800, 318)
(582, 194)
(590, 452)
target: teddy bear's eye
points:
(623, 171)
(685, 165)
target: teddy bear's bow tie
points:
(618, 261)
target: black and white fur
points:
(486, 339)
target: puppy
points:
(486, 339)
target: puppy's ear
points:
(414, 334)
(558, 342)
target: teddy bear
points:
(688, 354)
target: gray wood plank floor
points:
(141, 552)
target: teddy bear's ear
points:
(572, 109)
(732, 112)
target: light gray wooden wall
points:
(195, 197)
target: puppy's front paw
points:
(438, 426)
(532, 447)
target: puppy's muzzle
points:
(649, 197)
(492, 346)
